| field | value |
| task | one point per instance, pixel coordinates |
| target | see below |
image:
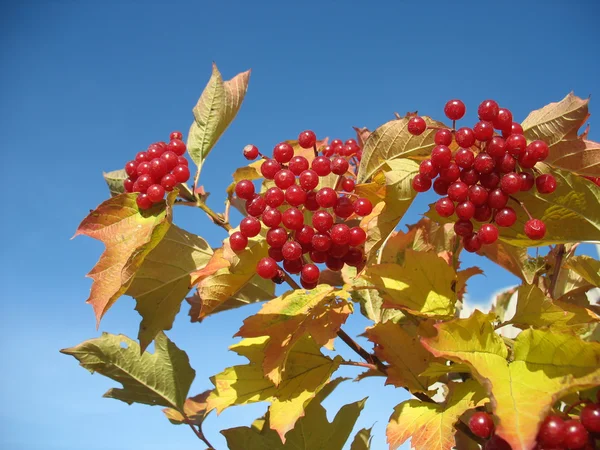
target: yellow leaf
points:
(423, 285)
(194, 408)
(431, 425)
(576, 155)
(319, 313)
(587, 267)
(306, 372)
(501, 303)
(547, 365)
(461, 279)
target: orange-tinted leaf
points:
(129, 235)
(577, 155)
(514, 259)
(195, 408)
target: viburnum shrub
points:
(320, 216)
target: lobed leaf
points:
(586, 267)
(362, 439)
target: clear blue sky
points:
(84, 85)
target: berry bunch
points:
(307, 225)
(157, 170)
(482, 175)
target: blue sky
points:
(84, 85)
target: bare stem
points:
(218, 220)
(560, 254)
(522, 206)
(359, 364)
(197, 431)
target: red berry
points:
(276, 237)
(284, 178)
(538, 150)
(256, 206)
(295, 195)
(269, 168)
(465, 210)
(484, 163)
(337, 143)
(357, 236)
(143, 168)
(334, 264)
(131, 168)
(283, 152)
(181, 160)
(293, 266)
(308, 286)
(506, 164)
(488, 110)
(443, 137)
(182, 173)
(293, 219)
(416, 125)
(497, 199)
(481, 424)
(348, 184)
(343, 208)
(464, 137)
(478, 195)
(516, 144)
(496, 443)
(488, 234)
(311, 201)
(271, 217)
(510, 183)
(458, 191)
(421, 183)
(141, 157)
(251, 152)
(171, 159)
(326, 197)
(321, 242)
(427, 169)
(321, 165)
(506, 217)
(545, 184)
(441, 156)
(308, 180)
(155, 150)
(469, 176)
(516, 128)
(307, 139)
(576, 436)
(291, 250)
(267, 268)
(176, 135)
(322, 221)
(250, 226)
(363, 206)
(450, 173)
(472, 243)
(535, 229)
(177, 146)
(298, 164)
(328, 151)
(455, 109)
(483, 131)
(464, 158)
(237, 241)
(310, 273)
(354, 257)
(590, 417)
(158, 169)
(490, 180)
(339, 166)
(128, 185)
(245, 189)
(318, 257)
(483, 213)
(339, 250)
(527, 181)
(156, 193)
(463, 227)
(340, 234)
(274, 197)
(304, 235)
(503, 120)
(496, 147)
(444, 207)
(440, 186)
(552, 431)
(143, 201)
(143, 183)
(279, 278)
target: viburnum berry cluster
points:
(491, 163)
(157, 170)
(307, 224)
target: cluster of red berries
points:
(555, 433)
(595, 180)
(157, 170)
(296, 198)
(481, 176)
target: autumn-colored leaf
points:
(217, 107)
(431, 425)
(577, 155)
(114, 181)
(514, 259)
(319, 313)
(312, 432)
(128, 235)
(194, 409)
(501, 303)
(164, 279)
(437, 369)
(587, 267)
(391, 141)
(462, 276)
(362, 134)
(400, 347)
(163, 378)
(547, 365)
(306, 372)
(362, 440)
(536, 310)
(423, 285)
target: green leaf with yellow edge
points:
(400, 346)
(362, 439)
(319, 313)
(128, 235)
(437, 369)
(163, 378)
(114, 181)
(547, 365)
(587, 267)
(164, 279)
(306, 372)
(391, 141)
(217, 107)
(194, 409)
(431, 425)
(536, 310)
(386, 214)
(423, 285)
(312, 432)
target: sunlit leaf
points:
(194, 409)
(501, 303)
(587, 267)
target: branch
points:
(197, 431)
(199, 203)
(359, 364)
(560, 254)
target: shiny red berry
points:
(293, 219)
(421, 183)
(576, 436)
(443, 137)
(276, 237)
(269, 168)
(295, 195)
(237, 241)
(552, 432)
(488, 234)
(177, 146)
(463, 227)
(298, 164)
(245, 189)
(464, 158)
(143, 201)
(455, 109)
(488, 110)
(363, 206)
(416, 125)
(481, 424)
(321, 165)
(464, 137)
(156, 193)
(182, 173)
(472, 243)
(506, 217)
(284, 178)
(590, 417)
(444, 207)
(267, 268)
(545, 184)
(308, 180)
(283, 152)
(441, 156)
(483, 131)
(251, 152)
(176, 135)
(310, 273)
(535, 229)
(358, 236)
(503, 120)
(256, 206)
(250, 226)
(307, 139)
(271, 217)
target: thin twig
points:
(197, 431)
(560, 254)
(522, 206)
(359, 364)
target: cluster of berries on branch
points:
(493, 161)
(157, 170)
(307, 224)
(557, 431)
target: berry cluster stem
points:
(217, 219)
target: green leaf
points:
(164, 280)
(306, 372)
(217, 107)
(115, 180)
(391, 141)
(312, 432)
(163, 378)
(362, 440)
(587, 267)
